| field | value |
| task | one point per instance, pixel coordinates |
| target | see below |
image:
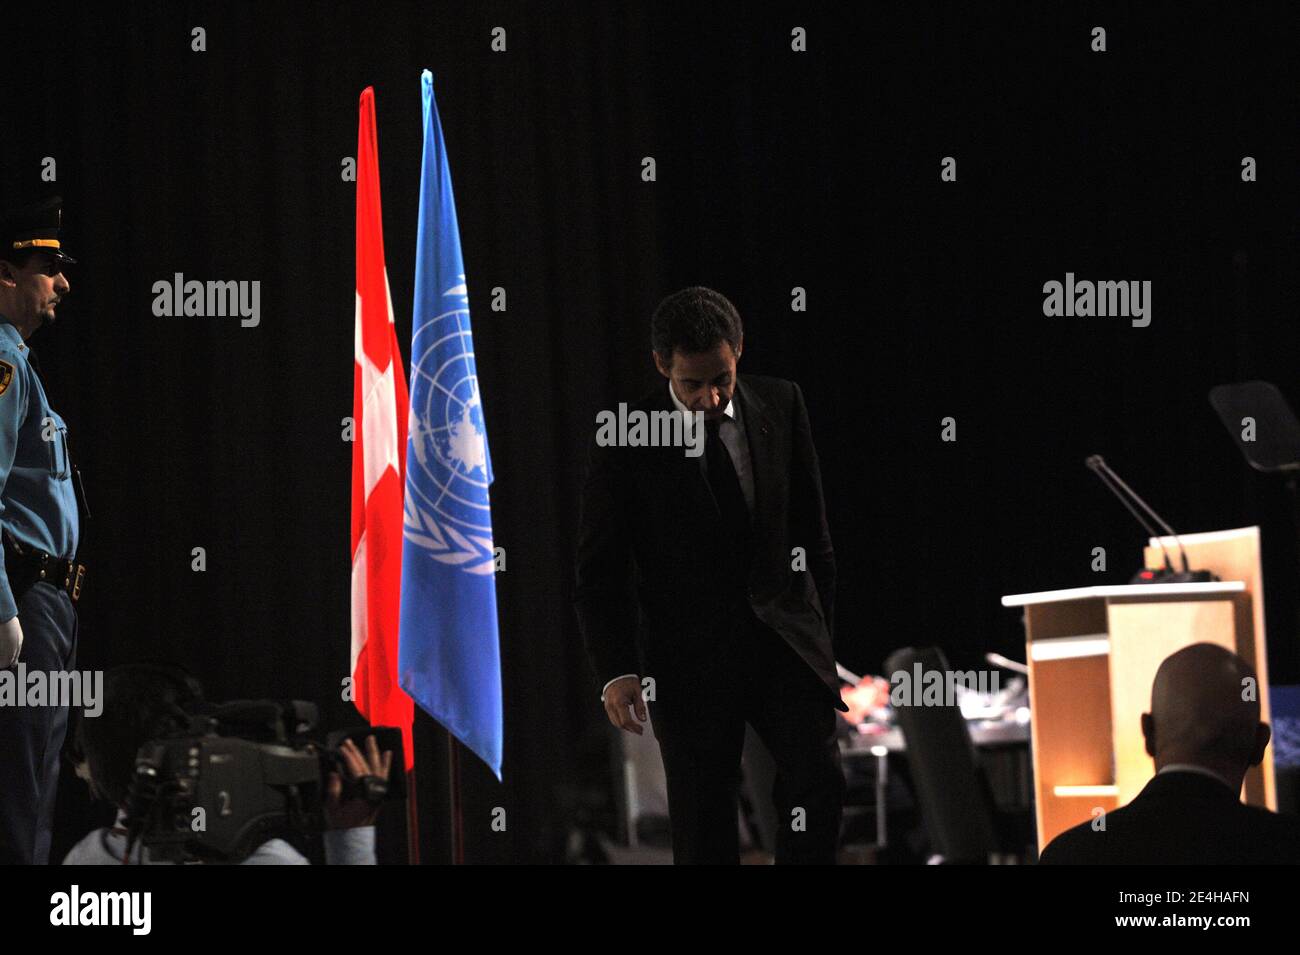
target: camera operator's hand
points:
(11, 642)
(351, 813)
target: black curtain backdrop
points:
(775, 170)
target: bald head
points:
(1205, 711)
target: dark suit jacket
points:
(648, 516)
(1181, 818)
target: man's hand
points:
(355, 812)
(11, 642)
(622, 695)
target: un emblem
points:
(448, 511)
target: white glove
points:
(11, 642)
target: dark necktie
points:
(726, 486)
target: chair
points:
(955, 803)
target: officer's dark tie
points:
(726, 485)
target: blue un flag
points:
(449, 660)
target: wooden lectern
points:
(1093, 654)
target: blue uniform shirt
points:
(38, 505)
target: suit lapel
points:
(759, 433)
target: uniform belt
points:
(27, 567)
(61, 572)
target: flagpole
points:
(412, 821)
(457, 811)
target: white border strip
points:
(1125, 590)
(1067, 648)
(1085, 791)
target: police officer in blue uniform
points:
(39, 522)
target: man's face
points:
(34, 289)
(703, 381)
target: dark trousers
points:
(752, 676)
(31, 737)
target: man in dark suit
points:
(735, 583)
(1204, 732)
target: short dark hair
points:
(18, 257)
(694, 320)
(141, 702)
